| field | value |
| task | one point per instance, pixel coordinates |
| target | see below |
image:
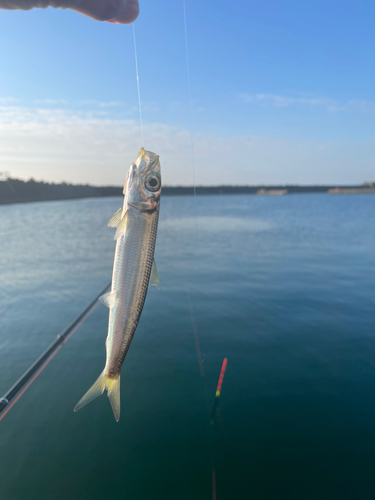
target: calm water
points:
(284, 287)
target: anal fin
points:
(154, 278)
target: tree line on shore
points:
(18, 191)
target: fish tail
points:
(113, 390)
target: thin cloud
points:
(80, 147)
(101, 104)
(51, 101)
(361, 106)
(111, 104)
(279, 101)
(8, 100)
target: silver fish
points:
(134, 270)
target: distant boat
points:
(367, 188)
(272, 192)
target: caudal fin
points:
(113, 389)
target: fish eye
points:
(153, 184)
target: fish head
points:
(143, 183)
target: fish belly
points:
(131, 274)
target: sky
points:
(281, 93)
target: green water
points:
(284, 287)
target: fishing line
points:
(213, 485)
(139, 91)
(189, 94)
(195, 331)
(195, 334)
(192, 317)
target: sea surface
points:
(283, 287)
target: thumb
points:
(116, 11)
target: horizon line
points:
(190, 186)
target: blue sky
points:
(282, 92)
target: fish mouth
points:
(145, 163)
(147, 157)
(142, 153)
(137, 193)
(142, 157)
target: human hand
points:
(114, 11)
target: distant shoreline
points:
(17, 191)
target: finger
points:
(116, 11)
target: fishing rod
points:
(24, 382)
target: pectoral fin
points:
(154, 278)
(108, 299)
(114, 221)
(121, 228)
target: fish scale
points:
(134, 270)
(135, 250)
